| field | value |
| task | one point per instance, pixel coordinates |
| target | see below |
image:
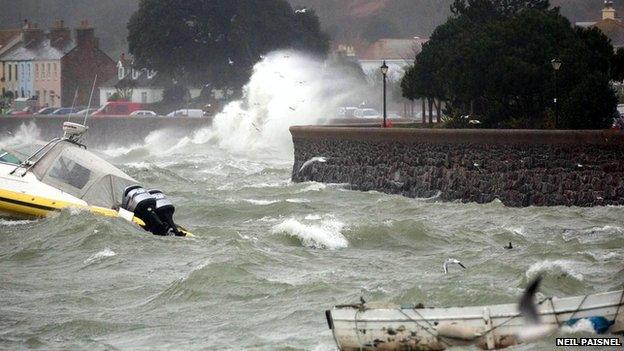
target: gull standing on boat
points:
(309, 162)
(451, 261)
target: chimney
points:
(31, 35)
(85, 35)
(59, 34)
(608, 12)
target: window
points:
(69, 172)
(23, 70)
(28, 75)
(36, 71)
(45, 95)
(16, 72)
(48, 71)
(10, 73)
(144, 97)
(120, 72)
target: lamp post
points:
(384, 72)
(556, 65)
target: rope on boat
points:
(424, 328)
(555, 313)
(357, 329)
(617, 311)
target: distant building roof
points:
(9, 37)
(42, 51)
(614, 29)
(610, 25)
(389, 49)
(138, 78)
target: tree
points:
(492, 59)
(218, 41)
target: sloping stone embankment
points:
(519, 167)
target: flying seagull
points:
(309, 162)
(303, 10)
(508, 247)
(230, 62)
(451, 261)
(292, 108)
(534, 329)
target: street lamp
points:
(556, 65)
(384, 71)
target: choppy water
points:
(269, 256)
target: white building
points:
(146, 85)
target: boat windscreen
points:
(7, 157)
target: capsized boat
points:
(385, 327)
(62, 173)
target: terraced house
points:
(54, 68)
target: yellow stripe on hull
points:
(35, 206)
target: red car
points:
(117, 108)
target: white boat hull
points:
(489, 327)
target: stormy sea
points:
(268, 256)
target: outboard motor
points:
(154, 209)
(164, 209)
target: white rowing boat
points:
(386, 327)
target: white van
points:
(187, 113)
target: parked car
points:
(83, 112)
(117, 108)
(46, 110)
(346, 112)
(23, 112)
(366, 113)
(145, 113)
(187, 113)
(63, 111)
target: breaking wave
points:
(327, 235)
(557, 267)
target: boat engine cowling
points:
(153, 208)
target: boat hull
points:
(390, 328)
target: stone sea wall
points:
(519, 167)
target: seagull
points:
(307, 163)
(534, 329)
(451, 261)
(292, 108)
(508, 247)
(303, 10)
(254, 125)
(230, 62)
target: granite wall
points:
(519, 167)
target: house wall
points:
(79, 68)
(26, 79)
(139, 95)
(47, 82)
(12, 79)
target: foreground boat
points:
(63, 174)
(391, 327)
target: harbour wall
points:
(518, 167)
(104, 130)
